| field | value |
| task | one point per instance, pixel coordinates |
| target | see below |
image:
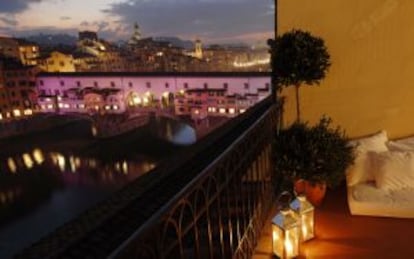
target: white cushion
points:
(361, 171)
(406, 144)
(394, 170)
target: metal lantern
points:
(286, 233)
(305, 211)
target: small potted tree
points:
(315, 156)
(298, 57)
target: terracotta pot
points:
(315, 192)
(299, 186)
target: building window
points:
(186, 85)
(41, 82)
(246, 86)
(130, 84)
(57, 92)
(62, 64)
(148, 84)
(42, 92)
(95, 84)
(112, 84)
(225, 85)
(167, 85)
(78, 83)
(267, 86)
(205, 85)
(62, 83)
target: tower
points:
(136, 36)
(198, 49)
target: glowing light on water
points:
(12, 165)
(61, 162)
(125, 167)
(72, 164)
(117, 166)
(27, 160)
(77, 162)
(38, 156)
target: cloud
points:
(16, 6)
(84, 23)
(214, 20)
(65, 18)
(95, 25)
(8, 20)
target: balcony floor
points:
(340, 235)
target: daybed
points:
(381, 182)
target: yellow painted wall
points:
(370, 85)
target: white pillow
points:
(394, 170)
(406, 144)
(361, 171)
(376, 142)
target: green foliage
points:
(299, 57)
(317, 154)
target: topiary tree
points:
(297, 58)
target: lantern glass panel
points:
(277, 240)
(286, 234)
(305, 211)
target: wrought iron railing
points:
(221, 212)
(211, 202)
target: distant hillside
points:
(177, 42)
(53, 39)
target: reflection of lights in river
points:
(92, 163)
(125, 167)
(12, 165)
(77, 162)
(83, 167)
(27, 160)
(148, 166)
(117, 166)
(59, 160)
(72, 164)
(38, 156)
(9, 196)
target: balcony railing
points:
(210, 201)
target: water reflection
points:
(49, 178)
(176, 132)
(41, 188)
(70, 164)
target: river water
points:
(49, 178)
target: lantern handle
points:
(284, 199)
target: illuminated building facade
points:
(25, 51)
(18, 96)
(68, 90)
(57, 61)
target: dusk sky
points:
(210, 20)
